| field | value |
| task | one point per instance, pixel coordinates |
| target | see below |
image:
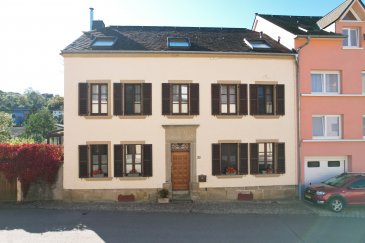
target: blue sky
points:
(34, 32)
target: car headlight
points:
(319, 193)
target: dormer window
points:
(103, 42)
(178, 43)
(257, 44)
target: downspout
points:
(297, 62)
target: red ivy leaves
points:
(30, 163)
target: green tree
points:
(35, 100)
(5, 126)
(55, 103)
(39, 124)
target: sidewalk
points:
(293, 207)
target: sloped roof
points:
(154, 39)
(335, 14)
(299, 25)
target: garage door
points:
(318, 169)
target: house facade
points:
(208, 113)
(331, 83)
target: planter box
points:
(163, 200)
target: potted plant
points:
(163, 196)
(231, 171)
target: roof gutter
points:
(178, 52)
(297, 62)
(322, 36)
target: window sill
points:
(98, 117)
(132, 178)
(266, 116)
(267, 175)
(332, 95)
(352, 48)
(229, 176)
(133, 117)
(332, 140)
(229, 116)
(179, 117)
(98, 179)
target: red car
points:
(339, 191)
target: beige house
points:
(208, 113)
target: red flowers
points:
(231, 171)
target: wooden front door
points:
(180, 170)
(7, 189)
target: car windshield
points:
(338, 181)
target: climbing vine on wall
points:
(30, 163)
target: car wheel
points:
(336, 204)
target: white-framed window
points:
(363, 82)
(326, 127)
(351, 37)
(325, 82)
(363, 127)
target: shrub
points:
(30, 163)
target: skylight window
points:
(178, 43)
(259, 44)
(103, 42)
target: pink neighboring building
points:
(331, 82)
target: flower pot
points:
(163, 200)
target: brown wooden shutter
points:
(216, 159)
(83, 160)
(147, 160)
(280, 99)
(243, 110)
(194, 99)
(83, 99)
(280, 158)
(118, 160)
(254, 160)
(147, 99)
(243, 170)
(166, 101)
(215, 99)
(253, 99)
(118, 97)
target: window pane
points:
(261, 99)
(104, 108)
(232, 99)
(175, 98)
(333, 128)
(184, 98)
(223, 89)
(345, 41)
(184, 89)
(138, 159)
(175, 108)
(184, 108)
(318, 126)
(224, 108)
(104, 89)
(354, 37)
(363, 83)
(95, 108)
(317, 82)
(138, 168)
(313, 164)
(129, 159)
(232, 90)
(137, 108)
(175, 89)
(129, 168)
(269, 99)
(104, 170)
(223, 99)
(332, 83)
(333, 163)
(232, 108)
(95, 89)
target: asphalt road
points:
(116, 226)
